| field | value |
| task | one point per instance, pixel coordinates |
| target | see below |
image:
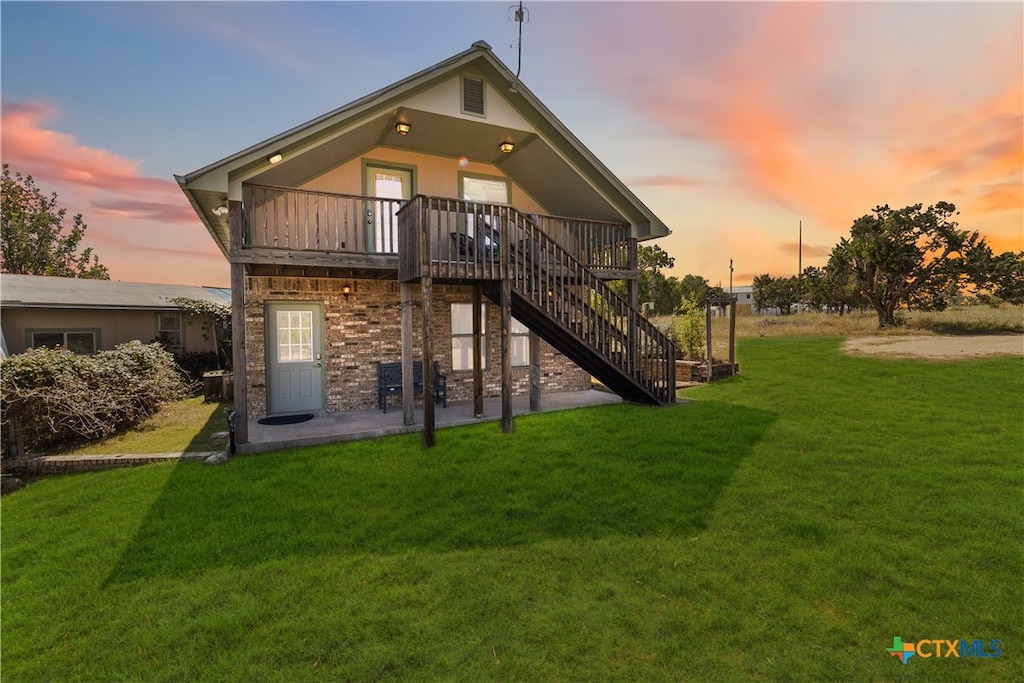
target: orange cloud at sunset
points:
(126, 212)
(825, 111)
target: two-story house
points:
(449, 218)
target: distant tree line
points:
(910, 257)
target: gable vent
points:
(473, 95)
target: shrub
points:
(690, 332)
(61, 398)
(195, 363)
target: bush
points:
(195, 363)
(61, 398)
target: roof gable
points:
(548, 160)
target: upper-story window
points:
(473, 95)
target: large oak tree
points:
(909, 255)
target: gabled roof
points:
(40, 291)
(549, 162)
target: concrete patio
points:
(352, 426)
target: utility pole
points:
(730, 277)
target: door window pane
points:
(294, 336)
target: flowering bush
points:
(57, 397)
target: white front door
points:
(382, 219)
(295, 373)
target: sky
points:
(741, 125)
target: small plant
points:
(689, 328)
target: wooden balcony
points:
(284, 226)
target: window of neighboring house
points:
(520, 344)
(462, 335)
(473, 95)
(169, 330)
(79, 341)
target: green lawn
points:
(785, 525)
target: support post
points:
(507, 425)
(534, 372)
(238, 328)
(478, 354)
(707, 329)
(427, 286)
(732, 334)
(408, 394)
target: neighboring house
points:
(744, 298)
(87, 316)
(372, 233)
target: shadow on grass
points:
(581, 474)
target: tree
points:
(769, 292)
(216, 323)
(694, 288)
(908, 256)
(33, 237)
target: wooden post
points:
(478, 354)
(427, 314)
(732, 334)
(427, 285)
(239, 356)
(408, 394)
(534, 372)
(507, 425)
(707, 328)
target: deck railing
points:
(465, 241)
(326, 222)
(290, 219)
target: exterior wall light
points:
(275, 157)
(345, 291)
(403, 128)
(506, 147)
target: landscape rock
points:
(217, 459)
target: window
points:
(473, 95)
(294, 336)
(484, 190)
(79, 341)
(462, 335)
(520, 344)
(168, 329)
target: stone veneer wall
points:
(365, 329)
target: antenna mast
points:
(520, 15)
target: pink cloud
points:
(98, 178)
(828, 110)
(142, 228)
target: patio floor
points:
(365, 424)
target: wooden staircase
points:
(552, 292)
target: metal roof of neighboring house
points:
(40, 291)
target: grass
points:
(785, 525)
(171, 430)
(956, 320)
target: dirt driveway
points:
(939, 347)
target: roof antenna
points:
(521, 16)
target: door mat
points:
(286, 419)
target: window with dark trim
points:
(78, 341)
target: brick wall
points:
(365, 328)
